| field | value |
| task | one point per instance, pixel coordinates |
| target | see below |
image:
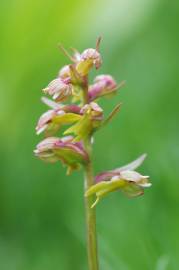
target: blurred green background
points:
(41, 210)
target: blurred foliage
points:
(41, 210)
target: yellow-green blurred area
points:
(42, 223)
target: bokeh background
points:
(41, 210)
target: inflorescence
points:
(74, 103)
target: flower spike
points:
(85, 117)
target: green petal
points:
(104, 188)
(67, 118)
(96, 188)
(83, 67)
(81, 129)
(69, 156)
(132, 190)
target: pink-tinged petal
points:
(46, 121)
(129, 167)
(66, 139)
(74, 147)
(133, 165)
(52, 104)
(39, 130)
(94, 109)
(80, 145)
(132, 176)
(59, 89)
(47, 144)
(57, 107)
(94, 91)
(43, 121)
(107, 80)
(44, 150)
(72, 108)
(104, 176)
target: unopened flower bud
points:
(59, 89)
(104, 85)
(88, 59)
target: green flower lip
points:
(85, 117)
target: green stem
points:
(90, 214)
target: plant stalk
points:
(90, 214)
(88, 182)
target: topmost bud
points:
(88, 59)
(84, 61)
(92, 55)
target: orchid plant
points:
(74, 103)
